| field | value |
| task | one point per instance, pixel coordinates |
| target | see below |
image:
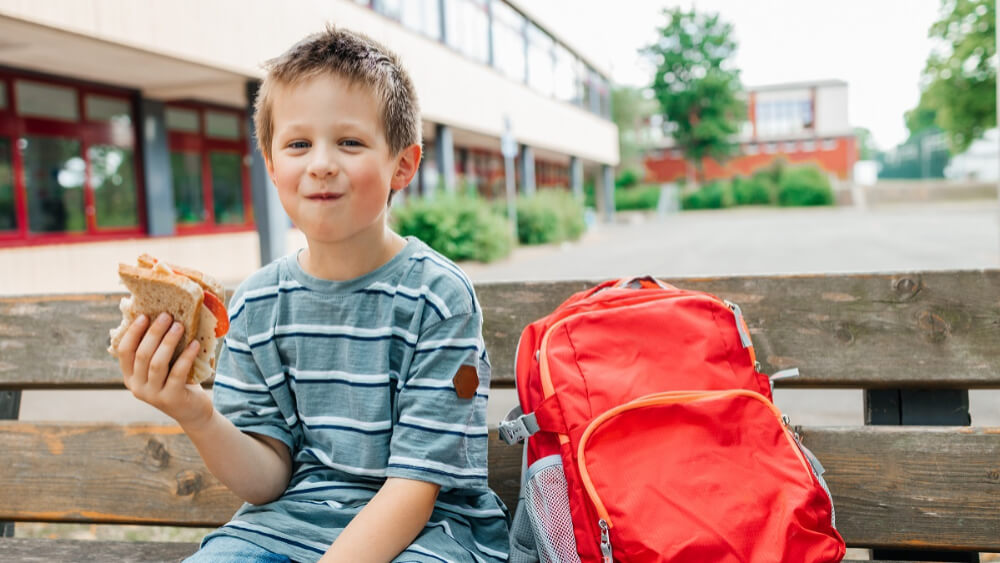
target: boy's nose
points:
(322, 164)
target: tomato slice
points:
(218, 309)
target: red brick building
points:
(799, 123)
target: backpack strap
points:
(517, 426)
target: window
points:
(227, 187)
(540, 61)
(8, 211)
(112, 177)
(423, 16)
(467, 28)
(222, 125)
(189, 201)
(54, 173)
(808, 146)
(76, 148)
(567, 84)
(789, 146)
(751, 149)
(783, 117)
(770, 148)
(508, 41)
(35, 99)
(829, 144)
(210, 179)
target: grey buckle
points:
(517, 427)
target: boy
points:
(351, 390)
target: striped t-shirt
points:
(356, 377)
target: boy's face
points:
(330, 160)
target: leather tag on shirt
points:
(466, 382)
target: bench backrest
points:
(934, 487)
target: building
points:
(798, 123)
(129, 121)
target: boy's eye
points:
(351, 143)
(298, 145)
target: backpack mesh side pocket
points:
(546, 501)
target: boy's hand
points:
(144, 357)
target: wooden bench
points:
(915, 341)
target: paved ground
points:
(745, 241)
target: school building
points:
(798, 123)
(129, 123)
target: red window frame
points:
(15, 127)
(202, 144)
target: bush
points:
(806, 185)
(757, 190)
(460, 227)
(549, 216)
(715, 195)
(627, 179)
(639, 197)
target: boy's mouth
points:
(324, 197)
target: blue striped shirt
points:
(355, 377)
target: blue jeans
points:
(227, 549)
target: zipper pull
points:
(740, 325)
(605, 541)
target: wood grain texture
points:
(913, 487)
(926, 487)
(927, 330)
(29, 550)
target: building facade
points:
(126, 120)
(798, 123)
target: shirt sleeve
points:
(241, 392)
(440, 436)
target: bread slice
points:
(207, 282)
(155, 292)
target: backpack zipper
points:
(669, 397)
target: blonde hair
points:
(354, 57)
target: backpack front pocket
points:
(703, 476)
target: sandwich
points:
(193, 299)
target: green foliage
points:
(753, 191)
(637, 198)
(696, 90)
(805, 185)
(866, 149)
(630, 110)
(959, 93)
(460, 227)
(714, 195)
(627, 179)
(549, 216)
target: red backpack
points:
(652, 436)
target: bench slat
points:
(28, 550)
(928, 330)
(939, 487)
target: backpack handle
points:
(643, 282)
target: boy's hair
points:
(354, 57)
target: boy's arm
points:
(387, 525)
(256, 468)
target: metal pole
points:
(508, 163)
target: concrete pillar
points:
(444, 148)
(606, 192)
(526, 161)
(272, 222)
(161, 216)
(576, 177)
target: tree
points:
(698, 93)
(630, 110)
(959, 80)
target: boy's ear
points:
(407, 164)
